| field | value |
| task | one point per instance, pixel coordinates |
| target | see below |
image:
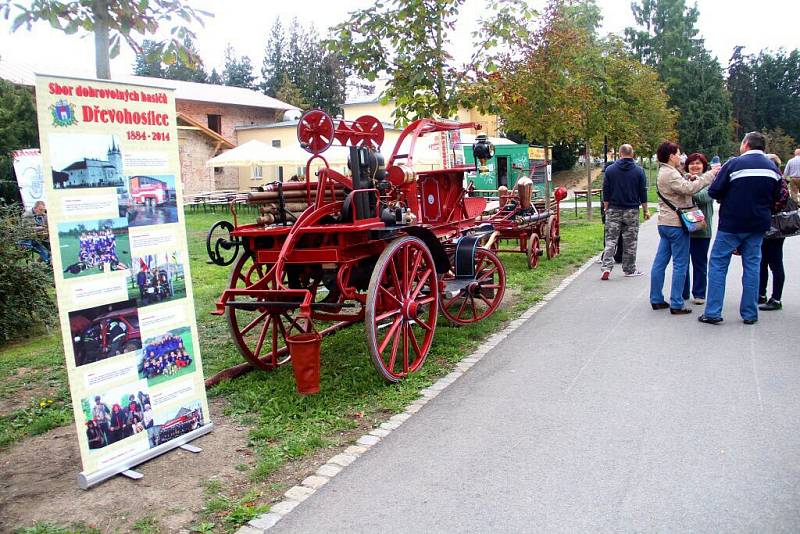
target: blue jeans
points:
(749, 245)
(698, 254)
(32, 244)
(674, 244)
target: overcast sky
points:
(245, 24)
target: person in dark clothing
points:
(624, 191)
(747, 188)
(772, 256)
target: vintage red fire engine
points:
(390, 245)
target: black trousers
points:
(772, 258)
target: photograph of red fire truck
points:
(150, 200)
(149, 191)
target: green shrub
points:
(25, 281)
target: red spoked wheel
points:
(482, 296)
(401, 309)
(534, 250)
(258, 333)
(369, 132)
(552, 238)
(315, 131)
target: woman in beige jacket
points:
(674, 242)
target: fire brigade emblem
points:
(63, 113)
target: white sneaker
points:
(698, 300)
(634, 273)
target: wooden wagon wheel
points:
(533, 251)
(552, 238)
(401, 308)
(315, 131)
(482, 296)
(259, 334)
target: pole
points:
(588, 182)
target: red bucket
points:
(305, 349)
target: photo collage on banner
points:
(111, 175)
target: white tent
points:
(257, 154)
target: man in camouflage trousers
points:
(624, 191)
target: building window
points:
(215, 123)
(218, 170)
(258, 172)
(276, 143)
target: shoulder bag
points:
(692, 219)
(785, 223)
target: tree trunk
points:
(588, 182)
(546, 177)
(440, 85)
(101, 40)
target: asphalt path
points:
(597, 415)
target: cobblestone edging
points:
(297, 494)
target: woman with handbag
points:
(772, 255)
(675, 192)
(700, 241)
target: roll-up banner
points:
(28, 169)
(121, 263)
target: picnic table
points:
(583, 194)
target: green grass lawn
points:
(285, 425)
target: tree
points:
(289, 93)
(778, 142)
(149, 63)
(187, 71)
(668, 42)
(405, 40)
(317, 74)
(214, 78)
(111, 22)
(274, 66)
(18, 129)
(743, 97)
(776, 81)
(238, 72)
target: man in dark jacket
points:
(746, 188)
(624, 190)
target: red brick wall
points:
(195, 147)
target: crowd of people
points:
(750, 190)
(97, 247)
(109, 425)
(164, 357)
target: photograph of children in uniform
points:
(104, 331)
(156, 278)
(176, 423)
(151, 200)
(86, 160)
(92, 247)
(167, 356)
(116, 414)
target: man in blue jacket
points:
(624, 190)
(746, 188)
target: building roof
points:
(23, 74)
(206, 92)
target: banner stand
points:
(111, 171)
(87, 480)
